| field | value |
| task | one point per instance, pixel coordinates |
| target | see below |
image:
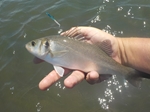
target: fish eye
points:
(33, 43)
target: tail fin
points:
(135, 77)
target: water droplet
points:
(38, 107)
(25, 35)
(14, 52)
(144, 23)
(120, 8)
(64, 87)
(12, 88)
(58, 95)
(60, 31)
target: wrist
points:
(122, 54)
(134, 52)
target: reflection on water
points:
(22, 21)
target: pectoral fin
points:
(57, 49)
(59, 53)
(59, 70)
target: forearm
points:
(135, 52)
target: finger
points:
(74, 78)
(37, 60)
(92, 77)
(50, 79)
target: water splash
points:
(120, 8)
(14, 52)
(113, 86)
(12, 89)
(108, 29)
(144, 24)
(129, 13)
(25, 35)
(59, 85)
(97, 18)
(38, 106)
(60, 31)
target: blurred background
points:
(22, 21)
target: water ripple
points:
(22, 20)
(7, 61)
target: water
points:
(22, 21)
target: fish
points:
(72, 52)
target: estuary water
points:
(25, 20)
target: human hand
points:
(91, 35)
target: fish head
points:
(38, 47)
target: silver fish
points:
(67, 52)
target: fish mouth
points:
(27, 47)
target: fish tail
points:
(135, 77)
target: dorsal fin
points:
(74, 33)
(71, 33)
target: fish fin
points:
(106, 46)
(59, 70)
(135, 77)
(135, 80)
(58, 53)
(74, 33)
(71, 33)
